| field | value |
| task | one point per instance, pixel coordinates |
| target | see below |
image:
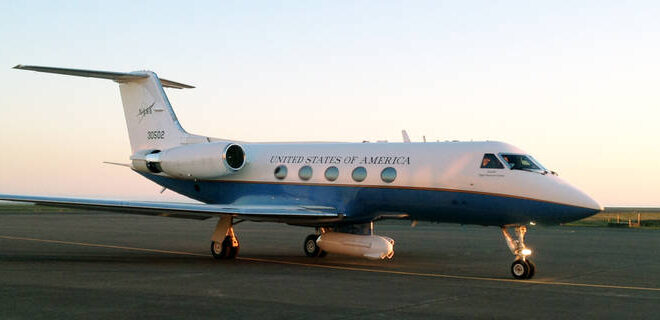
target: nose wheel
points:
(522, 268)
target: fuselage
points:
(442, 182)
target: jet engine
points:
(195, 161)
(364, 246)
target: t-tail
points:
(150, 119)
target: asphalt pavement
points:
(91, 265)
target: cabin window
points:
(388, 174)
(359, 174)
(490, 161)
(305, 173)
(332, 173)
(280, 172)
(520, 162)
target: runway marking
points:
(336, 267)
(84, 244)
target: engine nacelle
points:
(367, 246)
(195, 161)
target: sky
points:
(574, 83)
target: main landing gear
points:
(522, 267)
(311, 248)
(224, 243)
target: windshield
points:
(521, 162)
(490, 161)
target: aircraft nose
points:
(586, 205)
(585, 201)
(592, 204)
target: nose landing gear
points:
(522, 267)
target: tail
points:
(150, 119)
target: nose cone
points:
(585, 204)
(591, 205)
(571, 203)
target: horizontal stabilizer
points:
(116, 76)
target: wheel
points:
(520, 269)
(229, 251)
(233, 252)
(310, 246)
(532, 268)
(224, 249)
(217, 250)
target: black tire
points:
(532, 268)
(229, 251)
(520, 269)
(310, 247)
(224, 249)
(233, 252)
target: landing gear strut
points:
(224, 243)
(522, 267)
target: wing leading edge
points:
(286, 214)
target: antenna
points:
(406, 138)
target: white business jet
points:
(339, 189)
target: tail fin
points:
(150, 118)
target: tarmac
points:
(109, 266)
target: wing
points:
(308, 215)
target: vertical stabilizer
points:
(150, 119)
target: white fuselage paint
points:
(451, 166)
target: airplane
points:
(339, 189)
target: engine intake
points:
(196, 161)
(234, 156)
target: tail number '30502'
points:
(156, 135)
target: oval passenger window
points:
(280, 172)
(388, 174)
(332, 173)
(305, 173)
(359, 174)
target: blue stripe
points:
(361, 204)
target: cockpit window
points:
(490, 162)
(520, 162)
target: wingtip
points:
(18, 66)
